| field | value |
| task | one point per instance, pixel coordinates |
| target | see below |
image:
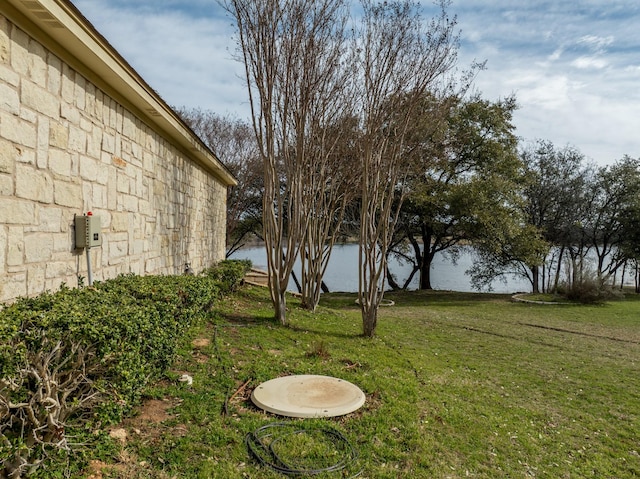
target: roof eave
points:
(72, 37)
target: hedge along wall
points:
(66, 148)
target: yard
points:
(458, 385)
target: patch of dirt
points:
(155, 411)
(201, 342)
(180, 430)
(128, 467)
(200, 358)
(146, 425)
(119, 434)
(97, 468)
(151, 414)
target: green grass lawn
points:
(458, 385)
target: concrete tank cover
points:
(308, 396)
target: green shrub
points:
(590, 290)
(229, 273)
(85, 355)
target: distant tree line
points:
(542, 213)
(585, 217)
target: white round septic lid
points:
(308, 395)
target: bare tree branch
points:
(403, 58)
(290, 50)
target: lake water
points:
(342, 271)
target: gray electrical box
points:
(88, 232)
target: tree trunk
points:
(410, 277)
(313, 267)
(426, 259)
(535, 278)
(280, 306)
(369, 316)
(370, 289)
(391, 281)
(425, 272)
(558, 270)
(295, 280)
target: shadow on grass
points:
(417, 298)
(322, 332)
(524, 339)
(580, 333)
(248, 307)
(245, 319)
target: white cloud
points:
(573, 67)
(556, 54)
(603, 130)
(589, 62)
(596, 43)
(551, 93)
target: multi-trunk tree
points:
(333, 187)
(304, 78)
(630, 245)
(402, 59)
(554, 203)
(293, 52)
(551, 206)
(580, 223)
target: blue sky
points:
(574, 66)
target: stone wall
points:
(67, 148)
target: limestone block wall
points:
(67, 148)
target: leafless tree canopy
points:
(333, 187)
(310, 71)
(402, 58)
(292, 52)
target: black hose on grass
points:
(264, 444)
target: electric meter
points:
(88, 232)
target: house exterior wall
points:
(67, 148)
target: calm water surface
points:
(342, 271)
